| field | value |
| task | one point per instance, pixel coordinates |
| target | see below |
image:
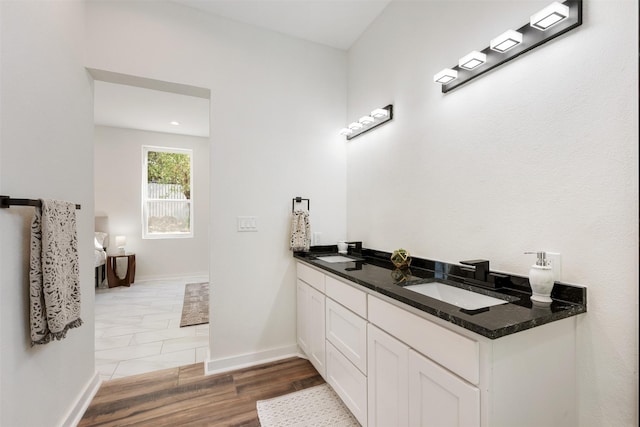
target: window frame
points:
(145, 196)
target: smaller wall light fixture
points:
(366, 123)
(544, 25)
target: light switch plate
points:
(247, 223)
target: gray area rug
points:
(195, 307)
(316, 406)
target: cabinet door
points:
(302, 329)
(315, 327)
(438, 398)
(388, 380)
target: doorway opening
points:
(138, 327)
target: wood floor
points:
(184, 396)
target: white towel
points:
(53, 275)
(300, 231)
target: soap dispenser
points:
(541, 278)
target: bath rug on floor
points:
(312, 407)
(195, 307)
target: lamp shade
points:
(121, 241)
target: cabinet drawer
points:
(348, 332)
(451, 350)
(348, 383)
(311, 276)
(352, 298)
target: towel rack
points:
(299, 200)
(6, 201)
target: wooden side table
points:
(112, 269)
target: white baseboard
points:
(250, 359)
(77, 411)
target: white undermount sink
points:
(462, 298)
(335, 258)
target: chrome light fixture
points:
(366, 123)
(547, 24)
(472, 60)
(549, 16)
(505, 41)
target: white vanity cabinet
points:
(394, 365)
(311, 316)
(458, 378)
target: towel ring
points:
(299, 200)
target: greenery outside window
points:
(167, 193)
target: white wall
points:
(118, 177)
(539, 154)
(46, 152)
(276, 105)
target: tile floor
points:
(138, 329)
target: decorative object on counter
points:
(54, 280)
(343, 247)
(550, 22)
(377, 117)
(401, 258)
(400, 275)
(300, 231)
(541, 278)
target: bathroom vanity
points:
(397, 357)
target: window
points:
(167, 193)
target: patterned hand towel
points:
(53, 275)
(300, 231)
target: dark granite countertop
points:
(374, 270)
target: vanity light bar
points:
(544, 25)
(369, 122)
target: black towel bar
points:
(6, 201)
(299, 200)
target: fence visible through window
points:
(167, 193)
(169, 210)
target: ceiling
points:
(334, 23)
(132, 107)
